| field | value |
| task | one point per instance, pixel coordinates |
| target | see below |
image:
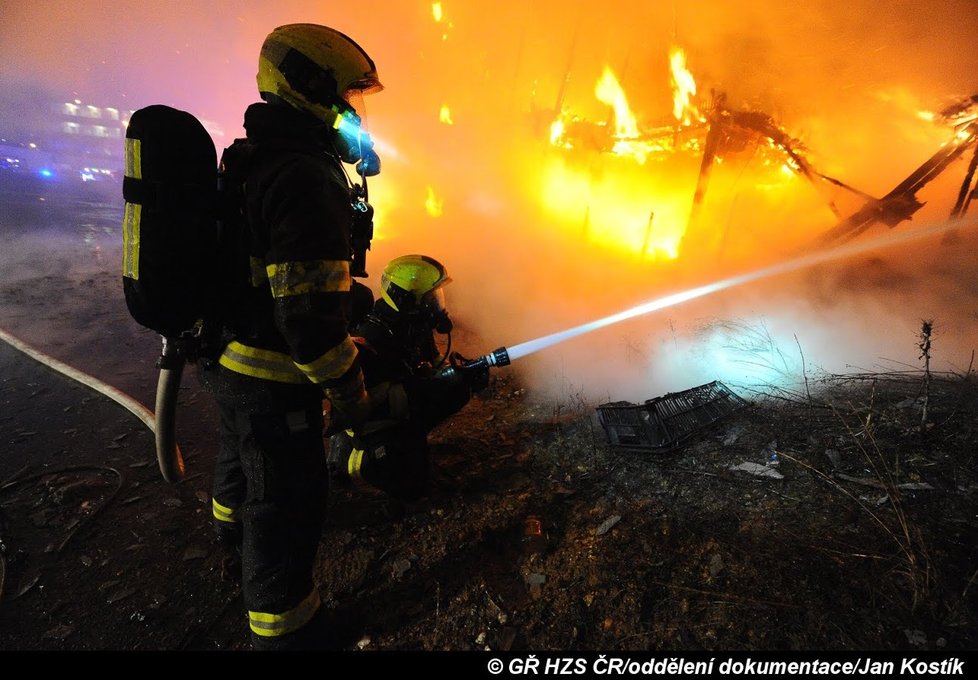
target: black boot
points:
(228, 533)
(338, 459)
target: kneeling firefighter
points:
(413, 384)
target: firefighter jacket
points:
(297, 208)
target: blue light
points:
(348, 125)
(45, 173)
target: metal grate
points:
(664, 423)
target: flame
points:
(445, 115)
(438, 14)
(616, 211)
(619, 206)
(609, 91)
(629, 188)
(557, 132)
(434, 205)
(683, 87)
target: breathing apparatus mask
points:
(432, 307)
(350, 137)
(426, 330)
(429, 328)
(427, 312)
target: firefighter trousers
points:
(270, 483)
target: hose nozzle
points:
(476, 371)
(497, 357)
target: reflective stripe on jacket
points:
(297, 206)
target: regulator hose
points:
(168, 455)
(171, 457)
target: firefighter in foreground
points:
(414, 380)
(291, 349)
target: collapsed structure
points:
(901, 202)
(722, 131)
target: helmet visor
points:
(354, 98)
(433, 302)
(354, 139)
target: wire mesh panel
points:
(663, 423)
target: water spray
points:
(504, 356)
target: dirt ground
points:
(862, 537)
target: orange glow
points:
(622, 207)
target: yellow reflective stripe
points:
(130, 240)
(354, 463)
(133, 212)
(273, 625)
(260, 363)
(258, 275)
(311, 276)
(331, 364)
(134, 158)
(222, 512)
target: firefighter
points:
(292, 349)
(414, 380)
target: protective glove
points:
(475, 374)
(349, 403)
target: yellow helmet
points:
(412, 281)
(315, 69)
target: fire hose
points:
(171, 364)
(160, 423)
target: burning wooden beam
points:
(727, 124)
(901, 203)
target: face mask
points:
(433, 304)
(353, 144)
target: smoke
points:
(463, 123)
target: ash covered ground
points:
(862, 537)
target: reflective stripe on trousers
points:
(268, 624)
(223, 513)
